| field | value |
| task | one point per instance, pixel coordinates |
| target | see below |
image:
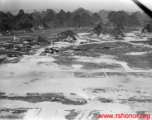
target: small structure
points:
(52, 50)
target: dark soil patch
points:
(105, 100)
(72, 115)
(140, 74)
(2, 93)
(110, 48)
(115, 74)
(138, 61)
(132, 100)
(17, 113)
(89, 75)
(140, 100)
(100, 90)
(49, 97)
(149, 42)
(69, 61)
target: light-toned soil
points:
(79, 83)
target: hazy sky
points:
(70, 5)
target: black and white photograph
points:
(75, 60)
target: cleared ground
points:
(80, 82)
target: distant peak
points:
(121, 11)
(139, 12)
(95, 13)
(8, 13)
(21, 12)
(50, 10)
(80, 8)
(102, 10)
(35, 11)
(62, 11)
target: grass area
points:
(131, 29)
(69, 61)
(116, 49)
(108, 48)
(138, 61)
(140, 74)
(115, 74)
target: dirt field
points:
(79, 82)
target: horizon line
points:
(58, 10)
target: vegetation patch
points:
(140, 74)
(138, 61)
(72, 115)
(105, 100)
(116, 74)
(148, 42)
(49, 97)
(2, 93)
(89, 75)
(17, 113)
